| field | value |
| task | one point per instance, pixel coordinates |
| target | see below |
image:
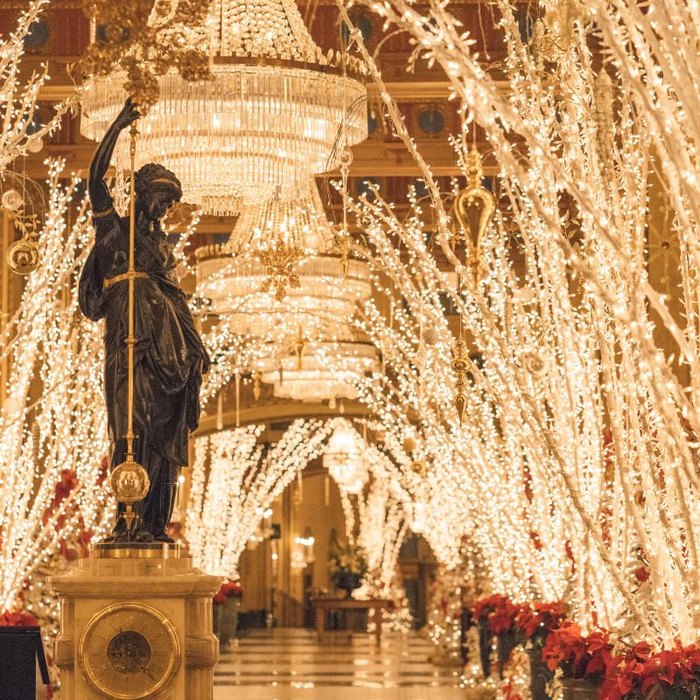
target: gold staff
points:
(130, 480)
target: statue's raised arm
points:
(100, 199)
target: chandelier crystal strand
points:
(266, 121)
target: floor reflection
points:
(292, 665)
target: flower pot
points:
(579, 689)
(348, 582)
(507, 641)
(674, 693)
(226, 620)
(540, 675)
(485, 643)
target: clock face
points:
(129, 651)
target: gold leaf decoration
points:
(144, 40)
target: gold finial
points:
(299, 346)
(461, 364)
(474, 209)
(344, 260)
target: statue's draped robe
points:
(169, 357)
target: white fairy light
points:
(18, 99)
(562, 373)
(62, 427)
(286, 300)
(233, 485)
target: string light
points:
(18, 99)
(547, 366)
(52, 349)
(233, 485)
(575, 463)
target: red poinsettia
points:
(509, 690)
(503, 617)
(538, 619)
(228, 589)
(483, 607)
(17, 619)
(641, 673)
(497, 611)
(579, 656)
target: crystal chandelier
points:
(299, 331)
(275, 112)
(345, 459)
(311, 379)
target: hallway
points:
(289, 664)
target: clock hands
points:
(146, 671)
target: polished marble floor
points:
(290, 664)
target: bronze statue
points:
(169, 357)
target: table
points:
(321, 606)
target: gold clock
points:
(129, 651)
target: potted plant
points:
(226, 604)
(583, 659)
(669, 674)
(535, 622)
(20, 634)
(482, 610)
(347, 567)
(17, 619)
(502, 623)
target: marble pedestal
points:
(142, 608)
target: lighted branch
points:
(52, 419)
(19, 99)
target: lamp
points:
(345, 460)
(299, 330)
(272, 114)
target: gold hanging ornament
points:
(461, 365)
(23, 254)
(419, 467)
(474, 209)
(344, 260)
(257, 376)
